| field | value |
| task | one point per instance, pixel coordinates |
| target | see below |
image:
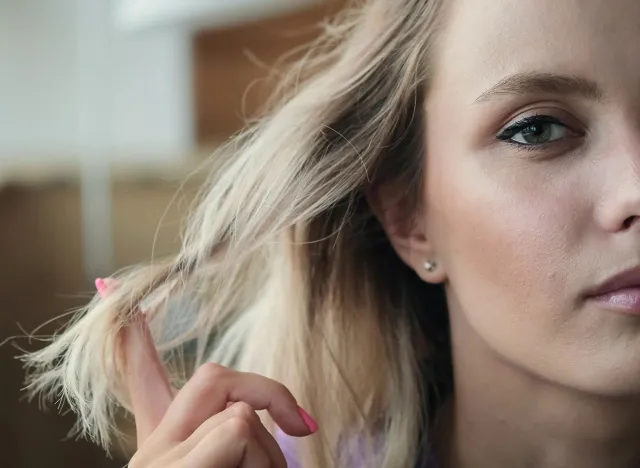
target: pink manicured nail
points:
(101, 286)
(308, 421)
(105, 286)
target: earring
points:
(430, 265)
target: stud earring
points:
(430, 266)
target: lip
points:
(621, 291)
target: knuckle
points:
(210, 371)
(243, 410)
(283, 390)
(239, 428)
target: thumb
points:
(149, 388)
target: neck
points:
(503, 416)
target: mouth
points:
(620, 292)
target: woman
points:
(434, 243)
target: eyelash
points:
(508, 133)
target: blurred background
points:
(105, 107)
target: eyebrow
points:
(547, 83)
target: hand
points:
(211, 422)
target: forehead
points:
(484, 41)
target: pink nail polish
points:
(311, 424)
(101, 287)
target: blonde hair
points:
(284, 268)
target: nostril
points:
(629, 221)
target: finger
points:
(149, 388)
(255, 456)
(213, 386)
(229, 445)
(237, 410)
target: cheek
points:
(504, 238)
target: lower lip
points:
(623, 300)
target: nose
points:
(620, 210)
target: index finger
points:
(149, 388)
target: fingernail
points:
(311, 424)
(101, 287)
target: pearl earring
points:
(430, 266)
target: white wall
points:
(74, 88)
(136, 14)
(37, 79)
(71, 83)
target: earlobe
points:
(430, 266)
(432, 272)
(417, 252)
(406, 232)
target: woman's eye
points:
(536, 130)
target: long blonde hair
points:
(284, 270)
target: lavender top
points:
(355, 460)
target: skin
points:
(544, 377)
(212, 420)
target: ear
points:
(406, 229)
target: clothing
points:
(354, 460)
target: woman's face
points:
(532, 195)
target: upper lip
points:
(627, 279)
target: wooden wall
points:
(230, 67)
